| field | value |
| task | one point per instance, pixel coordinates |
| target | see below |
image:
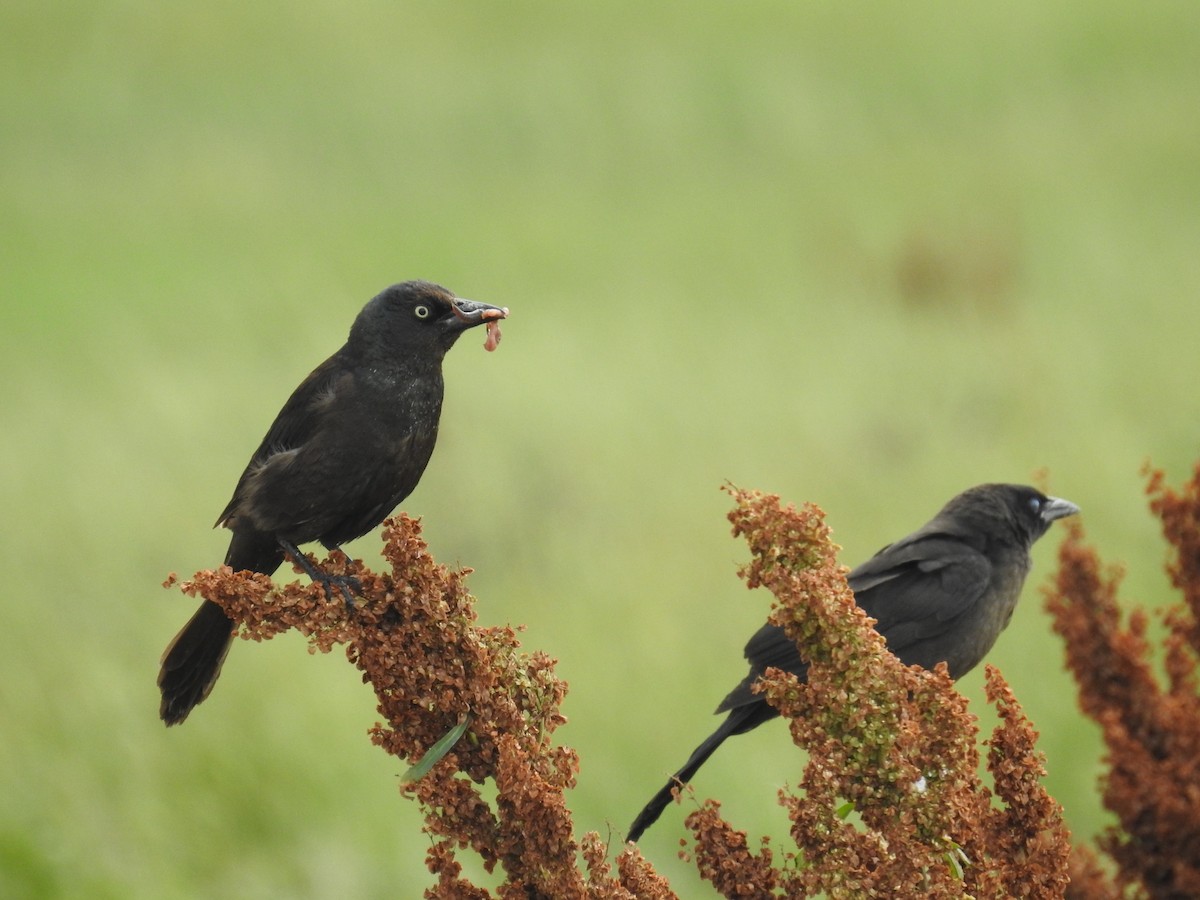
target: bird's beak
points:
(1057, 508)
(468, 313)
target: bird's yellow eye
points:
(421, 312)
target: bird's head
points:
(420, 315)
(1025, 510)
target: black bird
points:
(942, 594)
(350, 443)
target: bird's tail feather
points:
(649, 815)
(192, 662)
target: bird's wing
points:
(768, 648)
(933, 577)
(301, 417)
(771, 647)
(917, 587)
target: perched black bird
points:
(942, 594)
(350, 443)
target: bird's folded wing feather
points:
(914, 589)
(917, 588)
(302, 416)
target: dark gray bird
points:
(350, 443)
(942, 594)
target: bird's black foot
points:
(344, 583)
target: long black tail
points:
(192, 661)
(734, 724)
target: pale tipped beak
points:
(469, 313)
(1057, 508)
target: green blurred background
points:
(861, 254)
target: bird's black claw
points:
(343, 583)
(348, 585)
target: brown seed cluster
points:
(415, 638)
(1151, 724)
(1026, 830)
(890, 803)
(724, 858)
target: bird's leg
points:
(343, 582)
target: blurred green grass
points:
(865, 255)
